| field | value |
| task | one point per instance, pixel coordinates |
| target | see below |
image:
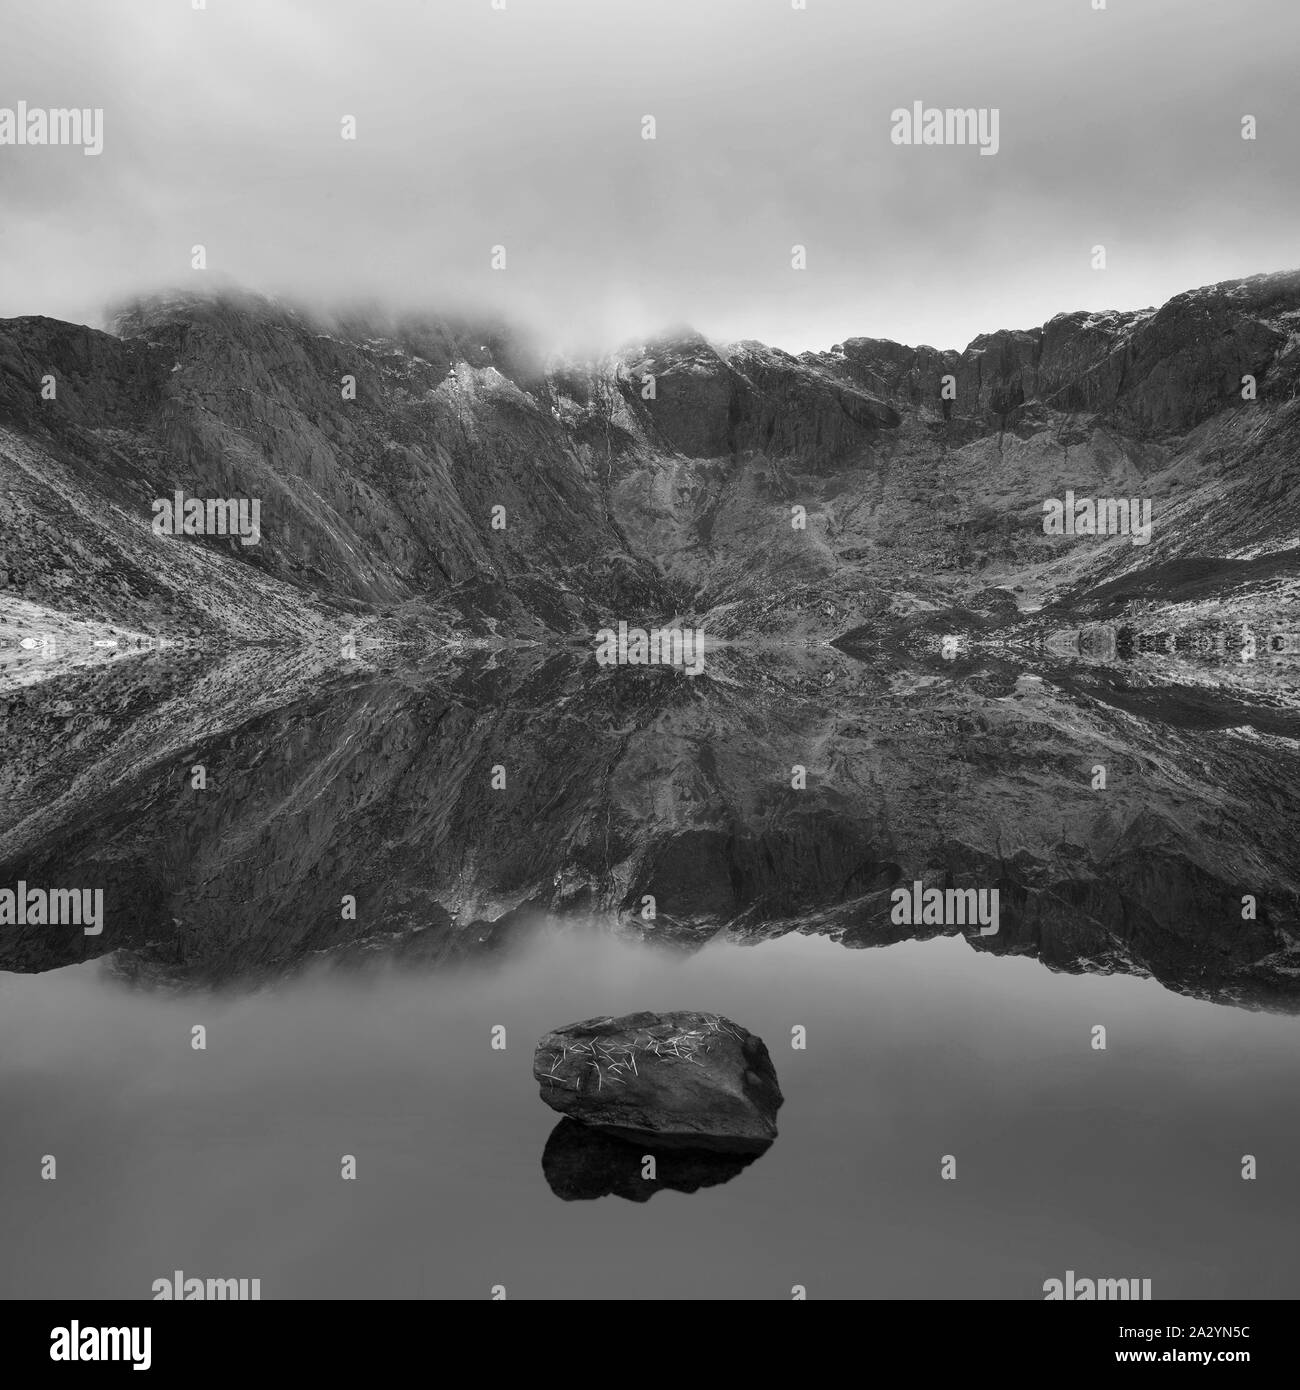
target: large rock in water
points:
(677, 1080)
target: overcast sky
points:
(523, 127)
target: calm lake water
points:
(226, 1162)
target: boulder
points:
(676, 1080)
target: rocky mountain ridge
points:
(657, 482)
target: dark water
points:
(372, 1037)
(226, 1162)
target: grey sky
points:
(522, 127)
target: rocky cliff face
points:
(658, 481)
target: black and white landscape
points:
(471, 778)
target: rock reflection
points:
(582, 1164)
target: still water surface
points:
(226, 1162)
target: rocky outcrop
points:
(1149, 370)
(709, 402)
(680, 1080)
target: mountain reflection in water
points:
(252, 812)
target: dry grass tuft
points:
(613, 1060)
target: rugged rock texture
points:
(366, 503)
(622, 501)
(680, 1080)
